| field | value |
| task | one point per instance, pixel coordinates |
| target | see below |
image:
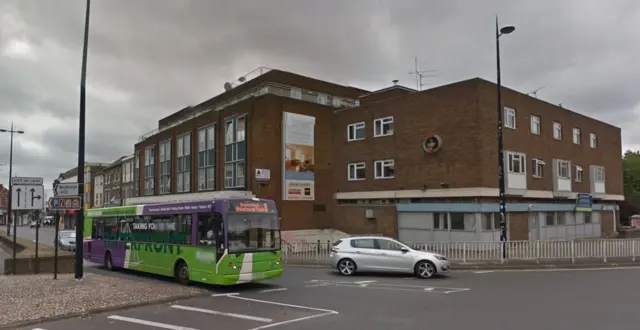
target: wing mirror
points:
(404, 249)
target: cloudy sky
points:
(149, 58)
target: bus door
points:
(210, 237)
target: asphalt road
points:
(46, 234)
(314, 299)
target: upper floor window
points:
(136, 174)
(579, 173)
(355, 131)
(516, 162)
(509, 118)
(599, 174)
(296, 93)
(357, 171)
(183, 163)
(383, 126)
(149, 170)
(576, 136)
(206, 158)
(564, 169)
(384, 169)
(234, 152)
(557, 131)
(165, 166)
(537, 166)
(323, 99)
(535, 125)
(593, 140)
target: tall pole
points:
(501, 183)
(81, 145)
(9, 201)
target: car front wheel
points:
(425, 269)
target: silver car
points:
(381, 254)
(66, 240)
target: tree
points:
(631, 173)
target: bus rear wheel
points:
(182, 273)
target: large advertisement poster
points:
(299, 159)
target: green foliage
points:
(631, 168)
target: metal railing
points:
(569, 251)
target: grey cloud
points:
(165, 54)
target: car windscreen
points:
(67, 234)
(253, 232)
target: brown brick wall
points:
(352, 220)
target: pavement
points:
(317, 298)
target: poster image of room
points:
(299, 158)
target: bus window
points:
(98, 229)
(253, 231)
(210, 230)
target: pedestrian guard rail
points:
(470, 252)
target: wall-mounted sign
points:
(432, 143)
(584, 203)
(263, 175)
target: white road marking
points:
(317, 285)
(385, 286)
(38, 329)
(224, 294)
(364, 282)
(456, 290)
(273, 290)
(568, 269)
(285, 305)
(148, 323)
(484, 271)
(212, 312)
(294, 320)
(429, 289)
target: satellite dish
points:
(242, 79)
(227, 86)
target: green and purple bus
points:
(224, 241)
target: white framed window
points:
(537, 167)
(336, 102)
(557, 131)
(576, 135)
(235, 150)
(384, 169)
(599, 175)
(357, 171)
(206, 157)
(564, 169)
(355, 131)
(535, 125)
(579, 173)
(149, 171)
(296, 93)
(516, 162)
(383, 126)
(593, 142)
(509, 118)
(183, 163)
(165, 166)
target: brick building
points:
(112, 179)
(420, 166)
(4, 202)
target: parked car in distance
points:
(34, 223)
(382, 254)
(66, 240)
(48, 220)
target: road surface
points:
(316, 299)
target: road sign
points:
(27, 181)
(65, 203)
(66, 189)
(27, 197)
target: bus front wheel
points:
(182, 272)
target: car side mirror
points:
(404, 249)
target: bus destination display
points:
(251, 207)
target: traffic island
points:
(33, 299)
(26, 261)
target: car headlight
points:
(441, 258)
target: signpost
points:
(27, 193)
(66, 189)
(65, 203)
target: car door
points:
(364, 253)
(392, 257)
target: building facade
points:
(420, 166)
(4, 202)
(424, 167)
(112, 183)
(71, 176)
(127, 188)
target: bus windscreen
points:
(253, 232)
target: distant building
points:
(71, 176)
(127, 187)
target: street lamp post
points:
(11, 131)
(501, 184)
(81, 149)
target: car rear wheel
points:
(425, 269)
(347, 267)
